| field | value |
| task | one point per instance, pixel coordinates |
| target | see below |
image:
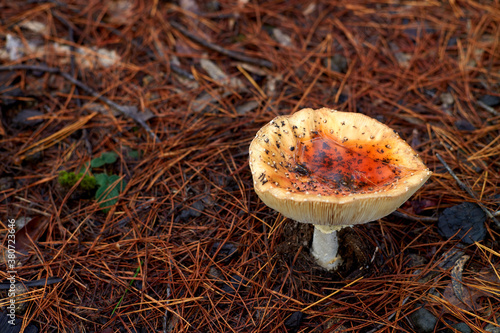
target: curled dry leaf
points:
(466, 295)
(229, 84)
(456, 277)
(216, 73)
(29, 234)
(36, 27)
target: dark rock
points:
(431, 92)
(343, 98)
(417, 30)
(464, 125)
(236, 284)
(6, 183)
(423, 321)
(338, 63)
(452, 42)
(466, 218)
(32, 157)
(194, 211)
(22, 119)
(496, 199)
(7, 327)
(293, 322)
(490, 100)
(9, 93)
(225, 252)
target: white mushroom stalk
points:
(325, 247)
(333, 169)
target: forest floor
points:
(124, 173)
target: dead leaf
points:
(14, 48)
(466, 295)
(204, 100)
(232, 85)
(213, 70)
(29, 234)
(130, 111)
(190, 5)
(247, 107)
(309, 9)
(134, 113)
(281, 38)
(36, 27)
(216, 73)
(456, 278)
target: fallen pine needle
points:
(328, 296)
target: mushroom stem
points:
(325, 247)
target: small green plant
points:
(105, 158)
(108, 187)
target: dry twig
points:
(214, 47)
(467, 189)
(120, 108)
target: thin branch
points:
(173, 67)
(122, 109)
(36, 283)
(414, 218)
(232, 54)
(488, 108)
(467, 189)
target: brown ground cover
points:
(174, 92)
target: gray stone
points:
(24, 118)
(492, 328)
(423, 321)
(460, 327)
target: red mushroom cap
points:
(333, 168)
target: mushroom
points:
(333, 169)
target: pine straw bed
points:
(189, 247)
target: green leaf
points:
(105, 158)
(97, 162)
(109, 189)
(108, 199)
(134, 154)
(102, 180)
